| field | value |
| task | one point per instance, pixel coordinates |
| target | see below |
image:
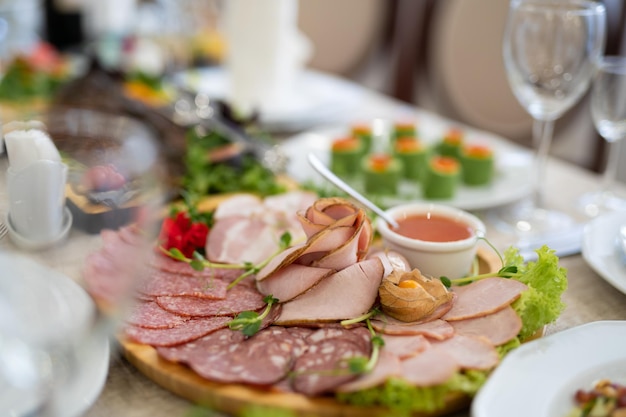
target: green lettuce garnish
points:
(540, 305)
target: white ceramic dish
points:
(540, 378)
(599, 249)
(60, 300)
(451, 259)
(317, 98)
(29, 244)
(511, 182)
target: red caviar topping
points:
(478, 151)
(345, 144)
(445, 164)
(361, 130)
(454, 137)
(379, 162)
(407, 144)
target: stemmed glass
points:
(550, 51)
(608, 110)
(50, 326)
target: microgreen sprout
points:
(249, 322)
(507, 271)
(198, 262)
(361, 364)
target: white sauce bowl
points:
(450, 259)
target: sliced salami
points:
(167, 284)
(151, 316)
(210, 344)
(239, 298)
(388, 366)
(263, 359)
(167, 264)
(324, 366)
(185, 332)
(484, 297)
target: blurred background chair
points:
(448, 58)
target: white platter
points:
(317, 98)
(540, 378)
(599, 249)
(512, 180)
(61, 305)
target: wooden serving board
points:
(234, 399)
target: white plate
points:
(540, 378)
(599, 249)
(512, 179)
(48, 304)
(318, 98)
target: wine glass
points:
(608, 110)
(62, 296)
(550, 51)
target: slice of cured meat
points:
(469, 352)
(324, 366)
(167, 264)
(405, 346)
(164, 283)
(208, 345)
(388, 366)
(359, 335)
(429, 368)
(237, 240)
(292, 281)
(484, 297)
(239, 298)
(151, 316)
(185, 332)
(498, 327)
(346, 294)
(436, 329)
(262, 359)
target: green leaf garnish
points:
(446, 281)
(249, 322)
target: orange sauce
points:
(433, 228)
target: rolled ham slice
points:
(484, 297)
(346, 294)
(292, 281)
(498, 328)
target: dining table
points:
(129, 393)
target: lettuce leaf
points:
(540, 305)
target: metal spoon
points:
(338, 182)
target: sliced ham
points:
(184, 332)
(429, 368)
(236, 240)
(498, 327)
(239, 298)
(469, 352)
(388, 366)
(346, 294)
(435, 329)
(405, 346)
(240, 205)
(292, 281)
(484, 297)
(151, 316)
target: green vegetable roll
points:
(345, 157)
(414, 157)
(478, 165)
(451, 144)
(441, 178)
(381, 174)
(364, 133)
(404, 130)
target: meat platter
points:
(300, 357)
